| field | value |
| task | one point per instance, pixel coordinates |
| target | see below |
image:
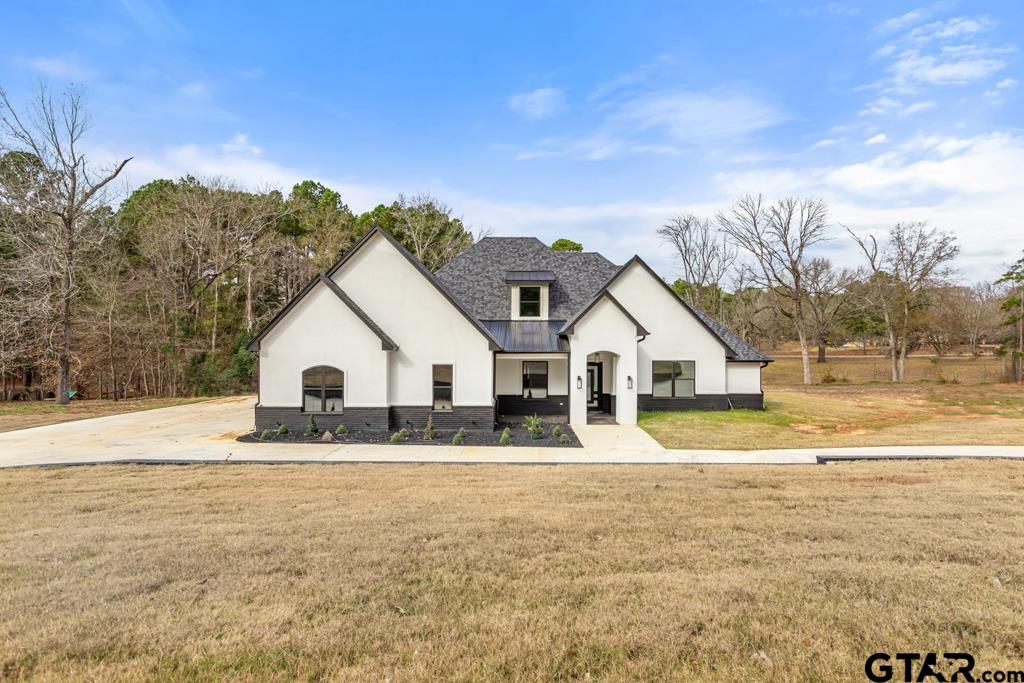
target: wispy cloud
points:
(153, 18)
(876, 139)
(239, 144)
(194, 90)
(664, 122)
(69, 68)
(541, 103)
(902, 21)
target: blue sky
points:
(590, 120)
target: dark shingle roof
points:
(530, 276)
(522, 336)
(477, 276)
(477, 279)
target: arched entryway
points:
(600, 387)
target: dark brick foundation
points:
(647, 402)
(512, 404)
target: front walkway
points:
(205, 432)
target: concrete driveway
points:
(205, 432)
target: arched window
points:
(323, 390)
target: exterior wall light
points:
(629, 381)
(579, 381)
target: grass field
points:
(944, 401)
(850, 368)
(864, 415)
(25, 414)
(529, 573)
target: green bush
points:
(564, 438)
(404, 433)
(459, 437)
(429, 432)
(282, 430)
(267, 435)
(557, 432)
(537, 432)
(533, 422)
(506, 437)
(396, 438)
(342, 430)
(311, 428)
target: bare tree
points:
(828, 291)
(913, 259)
(705, 258)
(430, 231)
(54, 233)
(778, 236)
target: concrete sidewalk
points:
(205, 432)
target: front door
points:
(593, 385)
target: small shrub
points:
(311, 428)
(829, 377)
(557, 432)
(532, 422)
(342, 430)
(506, 437)
(563, 438)
(459, 436)
(267, 435)
(282, 430)
(404, 433)
(396, 438)
(429, 432)
(537, 432)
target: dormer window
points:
(529, 302)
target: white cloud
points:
(951, 66)
(970, 185)
(239, 144)
(1006, 83)
(918, 106)
(901, 22)
(876, 139)
(827, 142)
(541, 103)
(664, 122)
(881, 105)
(957, 27)
(61, 67)
(194, 90)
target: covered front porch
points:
(531, 384)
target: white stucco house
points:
(509, 327)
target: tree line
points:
(160, 295)
(755, 267)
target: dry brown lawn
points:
(864, 415)
(500, 572)
(848, 367)
(25, 414)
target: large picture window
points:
(673, 378)
(529, 302)
(443, 376)
(323, 390)
(535, 379)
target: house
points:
(509, 327)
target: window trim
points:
(547, 380)
(433, 387)
(540, 302)
(672, 382)
(323, 390)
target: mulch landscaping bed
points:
(520, 437)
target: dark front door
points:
(594, 385)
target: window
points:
(443, 387)
(535, 379)
(672, 378)
(529, 302)
(323, 390)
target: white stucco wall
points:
(322, 330)
(604, 328)
(508, 374)
(675, 333)
(744, 378)
(427, 328)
